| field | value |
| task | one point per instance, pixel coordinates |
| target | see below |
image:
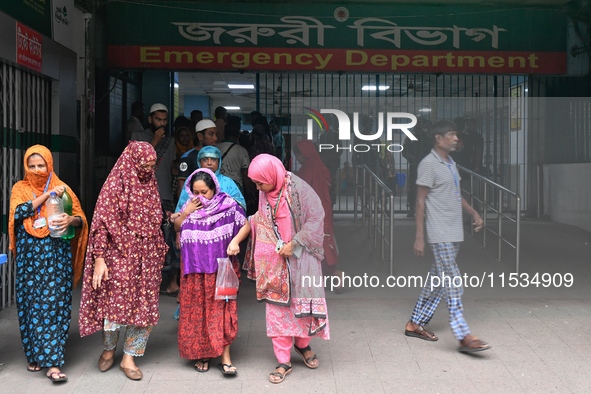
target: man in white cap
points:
(207, 136)
(164, 145)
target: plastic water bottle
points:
(67, 201)
(54, 207)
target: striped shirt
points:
(443, 205)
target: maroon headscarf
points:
(314, 172)
(129, 197)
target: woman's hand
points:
(233, 248)
(101, 272)
(61, 222)
(59, 190)
(192, 206)
(287, 249)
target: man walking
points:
(439, 199)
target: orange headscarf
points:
(33, 186)
(181, 149)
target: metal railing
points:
(489, 197)
(377, 210)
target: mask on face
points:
(145, 174)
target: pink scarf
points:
(268, 169)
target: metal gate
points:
(489, 100)
(25, 102)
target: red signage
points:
(28, 47)
(322, 60)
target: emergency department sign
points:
(325, 37)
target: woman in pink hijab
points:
(284, 258)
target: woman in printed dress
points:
(284, 259)
(211, 224)
(124, 258)
(46, 267)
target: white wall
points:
(567, 194)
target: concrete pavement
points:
(541, 336)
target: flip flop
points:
(204, 365)
(421, 333)
(33, 367)
(61, 377)
(225, 368)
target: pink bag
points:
(226, 285)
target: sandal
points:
(308, 361)
(228, 369)
(473, 345)
(421, 333)
(57, 377)
(33, 367)
(280, 376)
(204, 365)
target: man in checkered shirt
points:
(440, 201)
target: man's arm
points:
(419, 246)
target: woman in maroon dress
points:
(125, 254)
(314, 173)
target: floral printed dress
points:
(43, 292)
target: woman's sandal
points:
(57, 377)
(308, 361)
(204, 365)
(33, 367)
(228, 369)
(279, 375)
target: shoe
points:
(308, 361)
(225, 368)
(132, 374)
(279, 375)
(57, 377)
(170, 293)
(104, 364)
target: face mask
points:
(145, 174)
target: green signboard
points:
(325, 37)
(33, 13)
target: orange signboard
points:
(315, 59)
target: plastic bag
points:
(226, 285)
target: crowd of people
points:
(280, 233)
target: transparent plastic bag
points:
(226, 285)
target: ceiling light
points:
(232, 108)
(425, 110)
(374, 87)
(241, 86)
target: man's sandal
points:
(308, 361)
(473, 345)
(280, 377)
